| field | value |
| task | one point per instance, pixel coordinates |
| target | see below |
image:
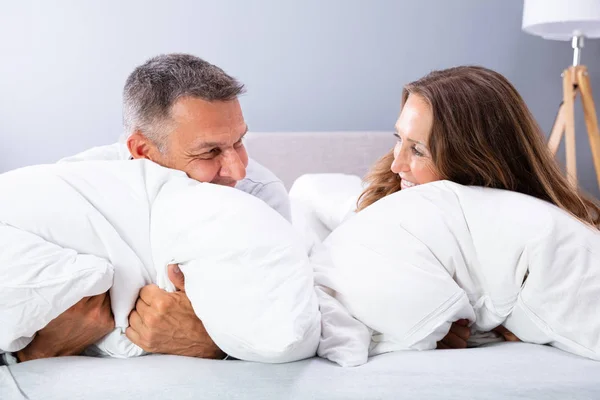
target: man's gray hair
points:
(153, 88)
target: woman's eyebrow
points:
(409, 139)
(416, 141)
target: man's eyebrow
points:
(409, 139)
(206, 145)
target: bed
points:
(498, 371)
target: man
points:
(183, 113)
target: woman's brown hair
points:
(483, 134)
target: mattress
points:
(500, 371)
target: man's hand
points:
(165, 322)
(70, 333)
(457, 337)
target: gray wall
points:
(308, 65)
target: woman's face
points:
(412, 158)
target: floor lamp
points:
(569, 20)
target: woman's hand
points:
(506, 334)
(457, 337)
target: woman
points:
(469, 125)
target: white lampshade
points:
(561, 19)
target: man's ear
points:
(141, 147)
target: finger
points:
(508, 335)
(149, 293)
(442, 346)
(133, 336)
(142, 308)
(511, 337)
(454, 342)
(136, 322)
(176, 277)
(461, 331)
(462, 322)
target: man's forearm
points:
(73, 331)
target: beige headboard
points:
(291, 154)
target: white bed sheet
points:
(501, 371)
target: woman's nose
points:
(400, 163)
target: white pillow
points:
(390, 280)
(75, 229)
(38, 281)
(321, 202)
(246, 271)
(415, 261)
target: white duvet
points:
(78, 229)
(394, 276)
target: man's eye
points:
(239, 143)
(209, 154)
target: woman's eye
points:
(416, 152)
(398, 138)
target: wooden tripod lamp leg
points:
(569, 115)
(591, 120)
(557, 130)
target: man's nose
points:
(232, 166)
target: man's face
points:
(205, 141)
